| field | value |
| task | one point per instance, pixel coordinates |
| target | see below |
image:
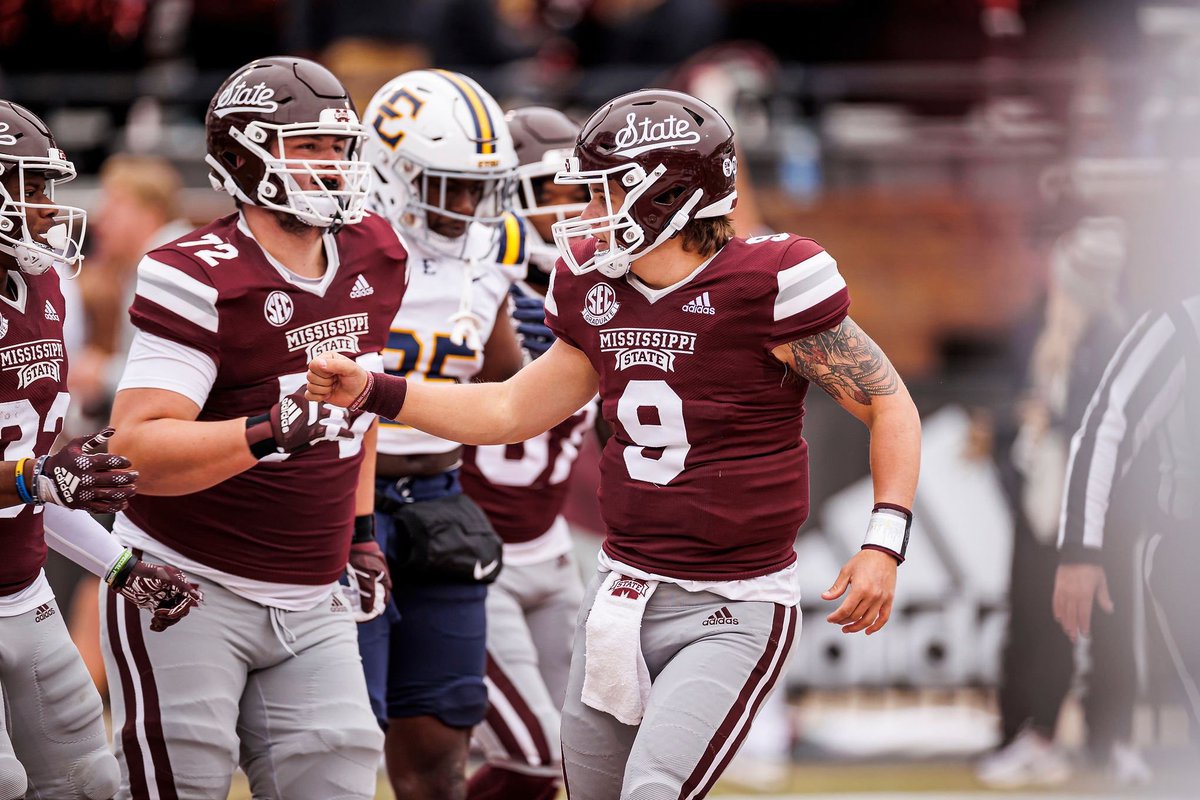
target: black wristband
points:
(364, 529)
(259, 436)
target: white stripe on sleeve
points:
(806, 284)
(178, 292)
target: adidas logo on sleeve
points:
(361, 288)
(701, 305)
(721, 617)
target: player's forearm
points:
(74, 534)
(364, 495)
(9, 496)
(541, 395)
(178, 457)
(895, 450)
(476, 413)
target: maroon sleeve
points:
(559, 302)
(175, 299)
(809, 295)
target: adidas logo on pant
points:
(701, 305)
(721, 617)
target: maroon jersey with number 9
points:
(706, 474)
(289, 518)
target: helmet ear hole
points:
(668, 197)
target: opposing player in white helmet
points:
(443, 162)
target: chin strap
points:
(467, 324)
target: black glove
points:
(155, 587)
(295, 423)
(82, 475)
(530, 314)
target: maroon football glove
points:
(295, 423)
(82, 475)
(159, 588)
(368, 570)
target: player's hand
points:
(158, 588)
(335, 379)
(82, 475)
(368, 571)
(530, 314)
(295, 423)
(871, 578)
(1076, 588)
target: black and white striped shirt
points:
(1150, 394)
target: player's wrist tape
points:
(23, 490)
(259, 436)
(888, 530)
(123, 565)
(383, 395)
(364, 529)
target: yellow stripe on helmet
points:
(479, 111)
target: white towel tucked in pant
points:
(616, 680)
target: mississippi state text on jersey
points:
(33, 401)
(288, 519)
(522, 487)
(706, 474)
(419, 345)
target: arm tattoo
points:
(845, 363)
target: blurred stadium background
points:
(952, 154)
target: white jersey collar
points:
(654, 295)
(316, 286)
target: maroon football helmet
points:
(673, 156)
(27, 148)
(266, 103)
(543, 138)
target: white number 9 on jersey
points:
(668, 434)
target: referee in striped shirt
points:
(1148, 399)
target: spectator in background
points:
(647, 32)
(1083, 322)
(138, 211)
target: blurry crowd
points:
(1108, 223)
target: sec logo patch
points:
(600, 305)
(278, 308)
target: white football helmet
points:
(425, 128)
(27, 148)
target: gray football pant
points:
(58, 748)
(707, 683)
(281, 693)
(531, 612)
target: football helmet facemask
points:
(543, 138)
(27, 150)
(426, 128)
(671, 153)
(253, 118)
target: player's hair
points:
(707, 236)
(150, 179)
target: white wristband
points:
(888, 530)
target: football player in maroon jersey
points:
(262, 496)
(531, 607)
(59, 748)
(702, 346)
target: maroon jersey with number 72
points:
(289, 518)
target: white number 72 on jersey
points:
(214, 249)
